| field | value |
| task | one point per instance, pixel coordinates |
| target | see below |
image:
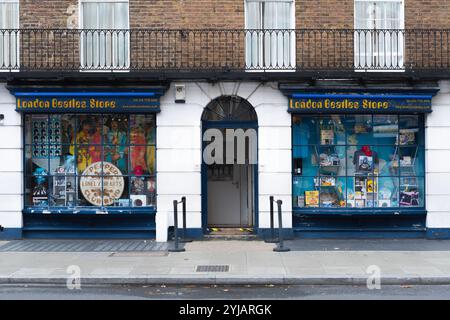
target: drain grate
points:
(211, 268)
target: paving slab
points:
(250, 262)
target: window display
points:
(358, 161)
(77, 160)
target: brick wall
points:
(46, 13)
(427, 13)
(151, 50)
(192, 14)
(228, 13)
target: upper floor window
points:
(270, 38)
(9, 35)
(379, 38)
(105, 35)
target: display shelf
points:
(64, 191)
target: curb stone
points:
(224, 280)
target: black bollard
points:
(1, 228)
(184, 239)
(280, 247)
(272, 231)
(175, 228)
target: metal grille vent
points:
(212, 268)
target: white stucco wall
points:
(11, 172)
(438, 160)
(179, 154)
(179, 149)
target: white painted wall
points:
(438, 159)
(11, 172)
(179, 149)
(178, 158)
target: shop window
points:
(358, 161)
(9, 38)
(270, 38)
(90, 161)
(379, 38)
(105, 36)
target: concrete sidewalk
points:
(250, 262)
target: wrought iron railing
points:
(151, 50)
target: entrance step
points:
(217, 233)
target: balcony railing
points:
(197, 51)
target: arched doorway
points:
(229, 181)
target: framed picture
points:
(122, 202)
(384, 203)
(350, 203)
(312, 198)
(360, 203)
(138, 200)
(300, 201)
(371, 185)
(327, 136)
(406, 137)
(371, 203)
(409, 199)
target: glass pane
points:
(62, 164)
(36, 190)
(142, 191)
(115, 191)
(362, 160)
(62, 190)
(142, 125)
(304, 130)
(359, 129)
(387, 160)
(304, 192)
(36, 157)
(37, 129)
(118, 156)
(83, 157)
(385, 129)
(116, 130)
(332, 191)
(306, 160)
(151, 191)
(332, 130)
(411, 192)
(150, 158)
(68, 125)
(388, 192)
(332, 160)
(411, 160)
(409, 132)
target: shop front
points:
(358, 163)
(89, 164)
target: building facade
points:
(111, 110)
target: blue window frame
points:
(368, 163)
(83, 163)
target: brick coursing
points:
(192, 14)
(151, 50)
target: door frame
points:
(204, 169)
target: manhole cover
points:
(217, 268)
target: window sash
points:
(9, 39)
(311, 148)
(105, 38)
(51, 162)
(379, 39)
(273, 48)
